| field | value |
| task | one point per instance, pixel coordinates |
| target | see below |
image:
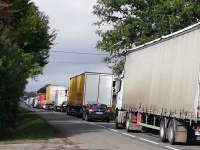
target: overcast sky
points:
(73, 19)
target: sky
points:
(73, 19)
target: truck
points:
(35, 101)
(41, 100)
(60, 98)
(30, 102)
(25, 98)
(51, 96)
(159, 87)
(88, 88)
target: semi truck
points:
(89, 88)
(60, 98)
(30, 102)
(51, 96)
(159, 87)
(41, 100)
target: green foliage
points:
(30, 128)
(43, 89)
(137, 22)
(25, 40)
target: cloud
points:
(73, 19)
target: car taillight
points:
(134, 120)
(198, 128)
(91, 110)
(107, 111)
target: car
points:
(96, 112)
(63, 106)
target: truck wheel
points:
(171, 132)
(127, 124)
(108, 120)
(86, 117)
(162, 130)
(116, 123)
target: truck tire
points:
(162, 131)
(86, 118)
(116, 123)
(127, 124)
(108, 120)
(171, 132)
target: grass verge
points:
(30, 128)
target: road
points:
(102, 135)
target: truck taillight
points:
(90, 110)
(199, 113)
(198, 128)
(107, 111)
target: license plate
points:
(197, 133)
(99, 112)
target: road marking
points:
(101, 126)
(148, 141)
(113, 129)
(91, 123)
(171, 148)
(128, 134)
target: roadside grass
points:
(30, 128)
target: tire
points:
(83, 118)
(171, 132)
(116, 124)
(61, 110)
(108, 120)
(162, 131)
(127, 124)
(86, 117)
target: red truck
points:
(41, 100)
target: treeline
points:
(135, 22)
(25, 40)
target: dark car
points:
(63, 106)
(96, 112)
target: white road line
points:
(101, 126)
(171, 148)
(91, 123)
(113, 129)
(128, 134)
(148, 141)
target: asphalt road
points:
(102, 135)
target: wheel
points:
(86, 117)
(171, 132)
(83, 117)
(162, 130)
(116, 123)
(127, 124)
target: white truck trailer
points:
(159, 88)
(51, 96)
(87, 88)
(61, 96)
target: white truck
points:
(60, 98)
(159, 87)
(51, 91)
(87, 88)
(30, 102)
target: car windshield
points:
(95, 106)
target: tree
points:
(25, 40)
(43, 89)
(137, 22)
